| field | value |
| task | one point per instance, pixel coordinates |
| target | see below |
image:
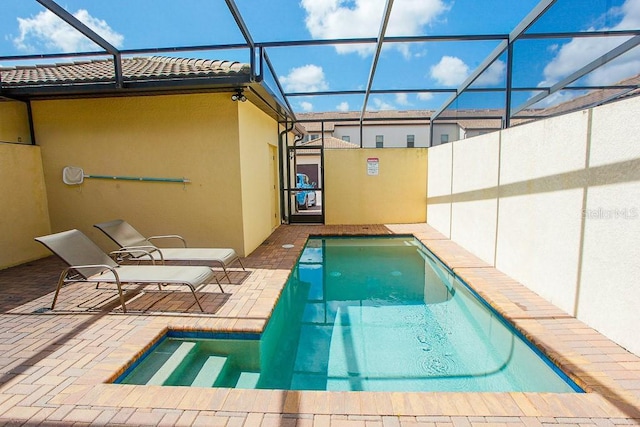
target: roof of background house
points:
(484, 124)
(593, 98)
(312, 121)
(329, 142)
(102, 70)
(485, 120)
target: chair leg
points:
(225, 273)
(241, 265)
(124, 306)
(60, 283)
(193, 291)
(219, 285)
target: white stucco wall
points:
(452, 130)
(439, 176)
(542, 183)
(609, 294)
(395, 136)
(475, 180)
(565, 217)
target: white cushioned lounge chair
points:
(88, 263)
(142, 248)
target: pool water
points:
(368, 313)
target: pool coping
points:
(609, 374)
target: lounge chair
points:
(88, 263)
(141, 247)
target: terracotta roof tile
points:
(394, 117)
(330, 142)
(398, 118)
(591, 98)
(137, 68)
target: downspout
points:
(281, 137)
(30, 118)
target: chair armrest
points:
(78, 267)
(137, 252)
(169, 236)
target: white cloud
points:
(492, 75)
(49, 31)
(306, 106)
(402, 99)
(425, 96)
(308, 78)
(450, 71)
(379, 104)
(343, 106)
(573, 55)
(338, 19)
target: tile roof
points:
(136, 68)
(485, 120)
(591, 98)
(484, 124)
(399, 118)
(329, 142)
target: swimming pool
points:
(364, 314)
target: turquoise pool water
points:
(363, 314)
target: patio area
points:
(57, 365)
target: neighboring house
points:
(394, 129)
(165, 118)
(474, 127)
(385, 129)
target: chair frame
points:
(73, 274)
(146, 251)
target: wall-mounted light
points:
(239, 96)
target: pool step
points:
(248, 380)
(171, 364)
(209, 372)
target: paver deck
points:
(55, 366)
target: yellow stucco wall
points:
(193, 136)
(258, 137)
(14, 122)
(397, 194)
(23, 204)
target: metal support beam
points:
(89, 33)
(472, 78)
(376, 57)
(242, 26)
(264, 57)
(506, 121)
(380, 91)
(580, 34)
(237, 16)
(598, 62)
(530, 19)
(517, 32)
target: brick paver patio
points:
(55, 366)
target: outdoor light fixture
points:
(238, 96)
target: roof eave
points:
(131, 86)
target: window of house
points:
(379, 141)
(346, 138)
(444, 138)
(411, 141)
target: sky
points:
(28, 28)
